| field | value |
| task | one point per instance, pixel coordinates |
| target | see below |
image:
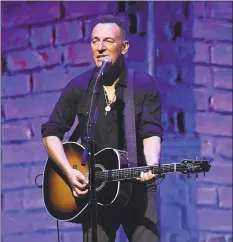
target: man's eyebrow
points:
(112, 38)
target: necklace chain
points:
(108, 102)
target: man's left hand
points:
(146, 176)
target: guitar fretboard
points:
(131, 173)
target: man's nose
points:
(101, 46)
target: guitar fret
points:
(130, 173)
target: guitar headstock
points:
(188, 166)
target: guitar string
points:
(130, 171)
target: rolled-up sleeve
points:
(150, 123)
(62, 116)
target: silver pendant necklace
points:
(108, 103)
(107, 109)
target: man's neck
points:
(111, 77)
(112, 87)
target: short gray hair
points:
(112, 19)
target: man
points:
(139, 216)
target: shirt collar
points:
(123, 75)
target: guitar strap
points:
(75, 135)
(130, 130)
(129, 114)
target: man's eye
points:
(109, 41)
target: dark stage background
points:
(187, 46)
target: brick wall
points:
(45, 44)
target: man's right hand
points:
(78, 183)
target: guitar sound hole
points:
(99, 177)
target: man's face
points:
(107, 40)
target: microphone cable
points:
(39, 186)
(57, 222)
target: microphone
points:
(105, 65)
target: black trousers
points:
(138, 218)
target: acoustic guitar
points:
(113, 176)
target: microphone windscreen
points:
(107, 59)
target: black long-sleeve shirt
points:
(109, 132)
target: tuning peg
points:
(189, 176)
(204, 174)
(196, 175)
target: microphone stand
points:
(93, 114)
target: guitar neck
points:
(131, 173)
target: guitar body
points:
(113, 180)
(58, 197)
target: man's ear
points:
(125, 47)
